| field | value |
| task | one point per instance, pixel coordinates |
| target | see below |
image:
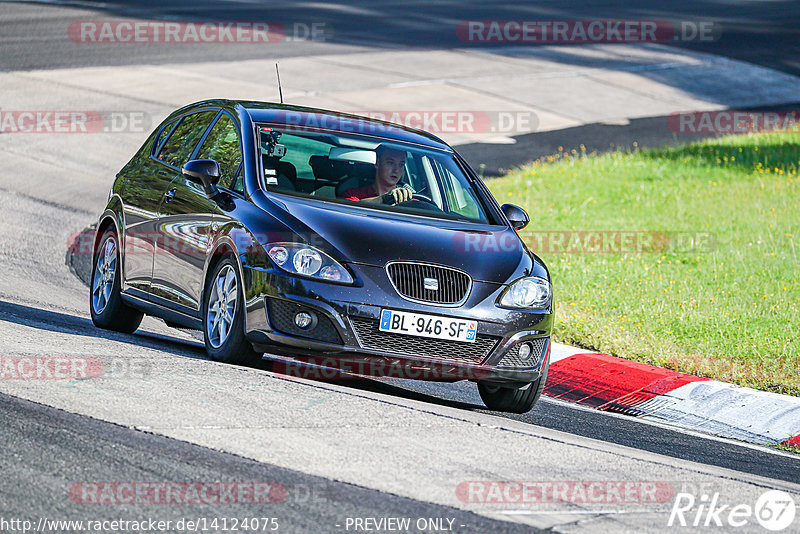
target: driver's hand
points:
(398, 195)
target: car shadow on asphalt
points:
(70, 324)
(374, 385)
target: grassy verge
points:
(706, 283)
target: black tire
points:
(234, 348)
(513, 399)
(109, 311)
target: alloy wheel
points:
(105, 271)
(221, 306)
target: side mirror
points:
(517, 216)
(205, 172)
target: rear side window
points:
(163, 135)
(184, 138)
(222, 144)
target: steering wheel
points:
(420, 202)
(424, 198)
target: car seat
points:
(358, 175)
(285, 174)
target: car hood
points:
(371, 237)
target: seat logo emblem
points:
(431, 284)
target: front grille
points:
(370, 337)
(281, 318)
(512, 359)
(409, 280)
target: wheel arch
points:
(223, 247)
(111, 218)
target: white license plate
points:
(419, 324)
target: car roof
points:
(317, 118)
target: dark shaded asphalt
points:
(47, 451)
(35, 35)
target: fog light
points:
(525, 351)
(303, 319)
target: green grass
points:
(724, 308)
(787, 448)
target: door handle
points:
(169, 195)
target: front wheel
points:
(105, 299)
(512, 399)
(223, 312)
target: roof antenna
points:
(280, 91)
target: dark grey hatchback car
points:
(330, 242)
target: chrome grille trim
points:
(407, 278)
(370, 337)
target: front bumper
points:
(345, 334)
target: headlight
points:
(304, 260)
(528, 292)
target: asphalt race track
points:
(766, 34)
(335, 450)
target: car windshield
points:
(363, 170)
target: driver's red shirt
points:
(358, 193)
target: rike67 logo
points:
(774, 510)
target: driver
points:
(390, 164)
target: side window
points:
(298, 151)
(181, 142)
(162, 135)
(238, 182)
(460, 197)
(222, 144)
